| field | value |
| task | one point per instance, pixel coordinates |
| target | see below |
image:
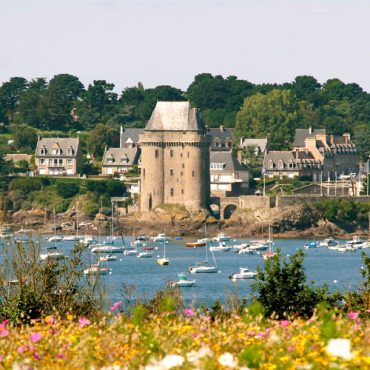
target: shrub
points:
(282, 289)
(67, 190)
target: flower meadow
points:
(190, 339)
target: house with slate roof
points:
(58, 156)
(119, 160)
(222, 138)
(129, 137)
(315, 154)
(228, 176)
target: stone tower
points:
(174, 158)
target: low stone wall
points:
(290, 200)
(256, 202)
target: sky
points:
(168, 42)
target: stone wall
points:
(290, 200)
(256, 202)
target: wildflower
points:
(83, 321)
(37, 356)
(168, 362)
(35, 337)
(227, 360)
(21, 349)
(61, 356)
(340, 348)
(4, 332)
(3, 324)
(50, 320)
(353, 315)
(284, 323)
(116, 306)
(196, 356)
(188, 312)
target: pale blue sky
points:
(169, 42)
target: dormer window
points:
(69, 151)
(271, 165)
(42, 151)
(56, 151)
(281, 165)
(291, 164)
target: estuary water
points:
(341, 271)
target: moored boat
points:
(199, 243)
(161, 238)
(108, 257)
(145, 255)
(221, 238)
(97, 270)
(102, 248)
(222, 247)
(243, 273)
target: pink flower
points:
(50, 320)
(290, 349)
(353, 315)
(4, 332)
(83, 321)
(61, 356)
(367, 311)
(35, 337)
(21, 349)
(37, 356)
(261, 334)
(116, 306)
(188, 312)
(284, 323)
(3, 324)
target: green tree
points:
(274, 115)
(61, 94)
(98, 139)
(32, 108)
(362, 139)
(282, 289)
(25, 137)
(10, 93)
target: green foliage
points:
(341, 210)
(98, 139)
(28, 184)
(25, 138)
(67, 190)
(110, 187)
(43, 287)
(282, 289)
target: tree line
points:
(64, 104)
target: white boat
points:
(102, 248)
(97, 270)
(55, 239)
(161, 238)
(311, 245)
(108, 257)
(55, 255)
(88, 240)
(245, 250)
(270, 252)
(183, 281)
(220, 248)
(244, 273)
(137, 243)
(203, 266)
(163, 261)
(346, 248)
(72, 238)
(130, 252)
(145, 255)
(142, 238)
(259, 246)
(329, 242)
(221, 238)
(357, 243)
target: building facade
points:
(174, 158)
(228, 176)
(58, 156)
(316, 155)
(119, 160)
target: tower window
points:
(183, 165)
(171, 153)
(182, 191)
(188, 154)
(171, 172)
(143, 172)
(192, 173)
(172, 192)
(156, 154)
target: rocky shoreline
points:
(285, 222)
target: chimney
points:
(222, 128)
(331, 139)
(347, 138)
(310, 130)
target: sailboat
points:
(270, 253)
(55, 238)
(111, 239)
(203, 267)
(75, 237)
(163, 261)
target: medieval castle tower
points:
(174, 158)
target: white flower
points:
(168, 362)
(196, 356)
(340, 348)
(227, 360)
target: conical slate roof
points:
(174, 116)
